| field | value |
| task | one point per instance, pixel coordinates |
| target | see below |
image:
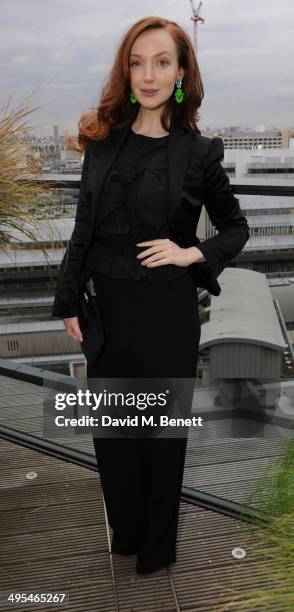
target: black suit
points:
(152, 330)
(210, 186)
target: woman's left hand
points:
(164, 251)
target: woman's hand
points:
(164, 251)
(72, 327)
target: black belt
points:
(121, 247)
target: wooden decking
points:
(55, 535)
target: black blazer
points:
(209, 186)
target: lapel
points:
(105, 151)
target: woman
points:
(146, 173)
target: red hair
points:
(115, 108)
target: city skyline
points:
(56, 56)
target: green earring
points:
(133, 98)
(179, 94)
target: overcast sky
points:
(62, 50)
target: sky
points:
(56, 54)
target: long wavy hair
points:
(115, 108)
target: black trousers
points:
(152, 329)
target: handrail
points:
(238, 188)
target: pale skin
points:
(153, 65)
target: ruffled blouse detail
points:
(126, 171)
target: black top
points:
(133, 207)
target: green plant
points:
(273, 545)
(22, 197)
